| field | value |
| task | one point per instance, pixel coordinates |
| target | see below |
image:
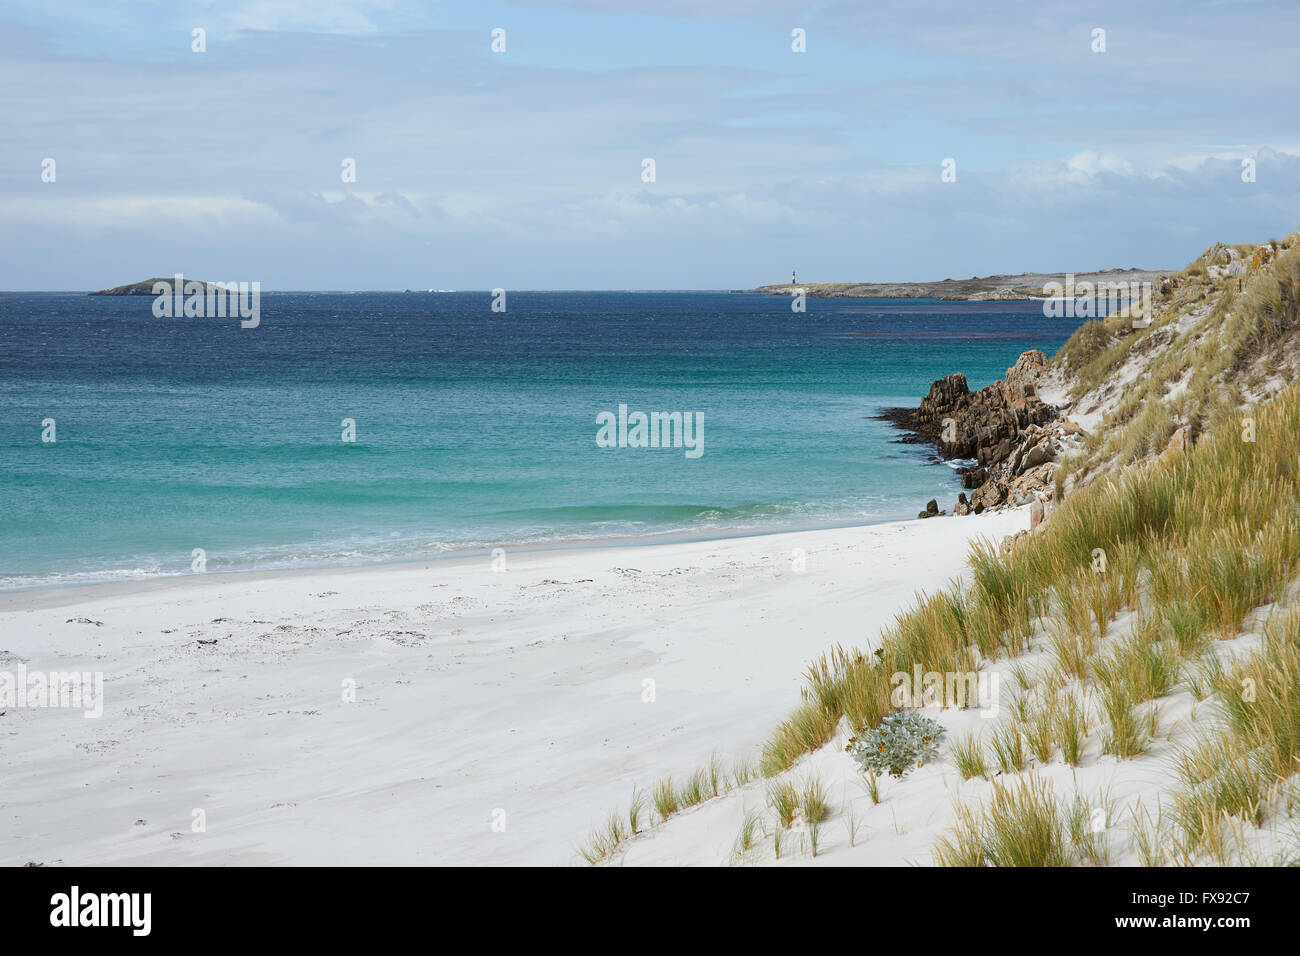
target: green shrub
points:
(897, 744)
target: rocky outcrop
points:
(982, 425)
(1013, 437)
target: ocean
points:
(188, 443)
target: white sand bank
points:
(475, 691)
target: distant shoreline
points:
(1025, 286)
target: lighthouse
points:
(793, 280)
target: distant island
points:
(1026, 285)
(145, 286)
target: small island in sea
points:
(146, 286)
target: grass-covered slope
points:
(1223, 336)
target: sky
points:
(525, 168)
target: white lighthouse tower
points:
(793, 280)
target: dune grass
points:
(968, 757)
(750, 827)
(604, 840)
(1232, 774)
(783, 798)
(664, 798)
(695, 790)
(1072, 728)
(1022, 824)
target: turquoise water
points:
(474, 429)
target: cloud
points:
(526, 171)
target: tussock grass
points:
(1072, 728)
(1008, 747)
(1149, 837)
(1040, 730)
(742, 772)
(1087, 827)
(1023, 824)
(1186, 620)
(1128, 735)
(665, 799)
(750, 826)
(716, 776)
(635, 812)
(783, 798)
(1138, 669)
(1260, 698)
(695, 790)
(604, 841)
(814, 801)
(1072, 651)
(968, 757)
(1202, 675)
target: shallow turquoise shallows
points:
(474, 429)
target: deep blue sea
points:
(474, 429)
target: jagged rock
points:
(1035, 514)
(989, 495)
(983, 424)
(963, 506)
(1003, 427)
(1036, 456)
(931, 509)
(1033, 484)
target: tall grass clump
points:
(750, 826)
(968, 757)
(1072, 728)
(783, 798)
(1008, 747)
(1138, 669)
(664, 799)
(1023, 824)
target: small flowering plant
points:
(898, 743)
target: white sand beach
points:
(517, 697)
